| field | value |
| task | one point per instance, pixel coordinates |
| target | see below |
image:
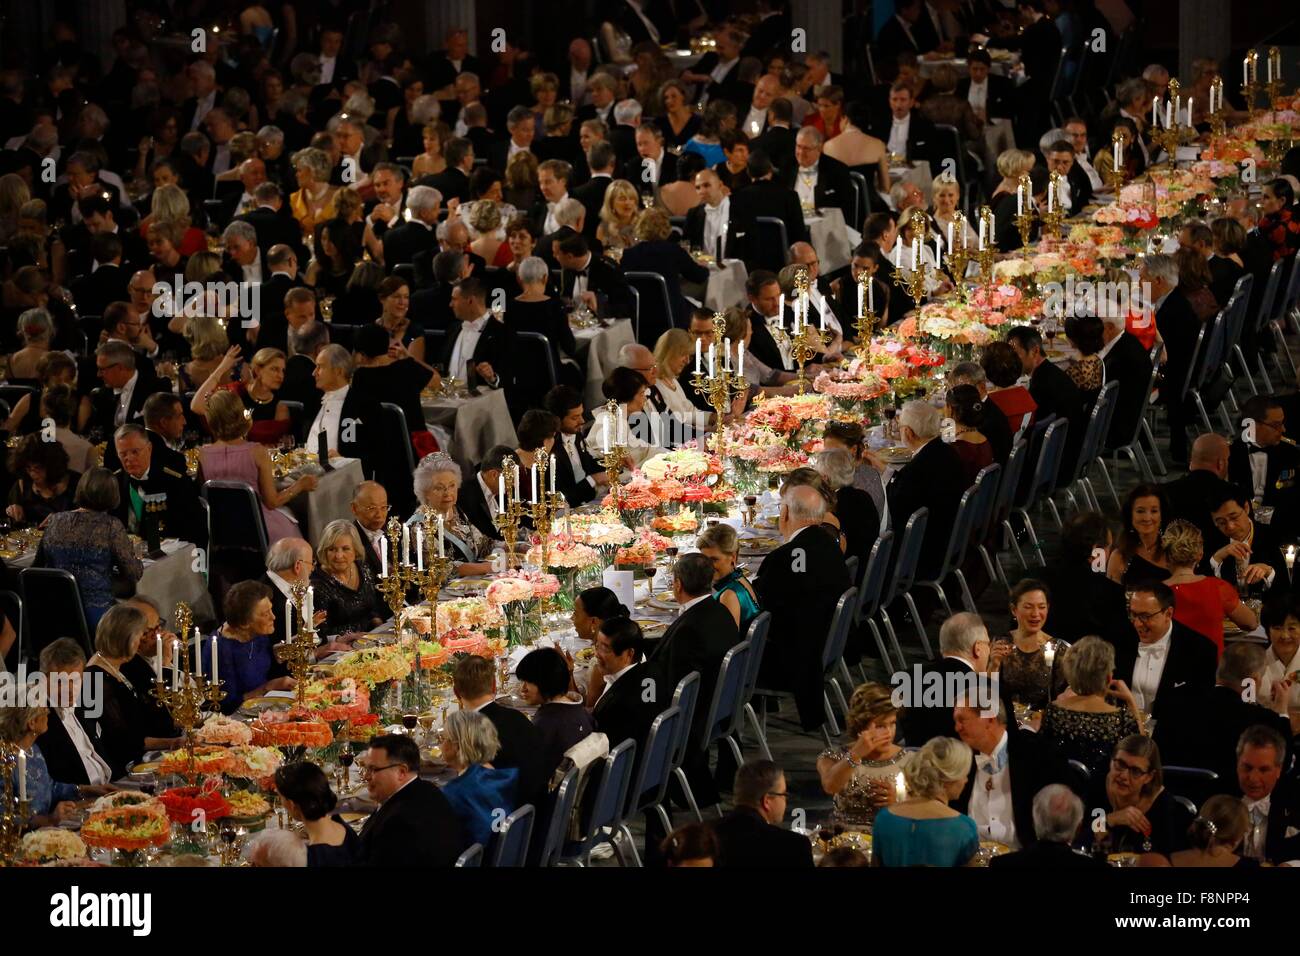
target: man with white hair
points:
(640, 359)
(417, 234)
(931, 480)
(276, 848)
(243, 256)
(203, 85)
(468, 90)
(1177, 324)
(1057, 814)
(521, 124)
(799, 584)
(602, 90)
(820, 181)
(622, 132)
(346, 421)
(964, 655)
(356, 159)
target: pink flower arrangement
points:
(522, 586)
(565, 552)
(844, 385)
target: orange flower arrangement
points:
(291, 729)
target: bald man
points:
(800, 584)
(821, 181)
(369, 515)
(1189, 496)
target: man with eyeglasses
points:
(1166, 663)
(1263, 465)
(1247, 551)
(752, 835)
(414, 825)
(289, 561)
(128, 379)
(123, 324)
(154, 496)
(370, 514)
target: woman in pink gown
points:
(231, 457)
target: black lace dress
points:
(1024, 675)
(347, 610)
(1089, 738)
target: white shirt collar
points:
(610, 678)
(1159, 648)
(692, 602)
(1105, 349)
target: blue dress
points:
(89, 545)
(749, 608)
(712, 152)
(244, 667)
(43, 792)
(481, 796)
(902, 841)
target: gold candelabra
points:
(1170, 135)
(865, 324)
(300, 653)
(511, 515)
(614, 457)
(1055, 215)
(15, 807)
(987, 250)
(1025, 215)
(806, 341)
(544, 506)
(1117, 146)
(190, 690)
(915, 283)
(717, 381)
(432, 569)
(958, 254)
(1250, 88)
(1218, 125)
(396, 574)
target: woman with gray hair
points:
(35, 329)
(859, 520)
(1097, 712)
(52, 801)
(481, 795)
(345, 590)
(535, 311)
(314, 201)
(437, 482)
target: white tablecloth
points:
(598, 350)
(830, 237)
(725, 288)
(466, 428)
(331, 500)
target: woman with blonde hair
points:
(270, 418)
(720, 544)
(1012, 164)
(232, 457)
(208, 342)
(521, 187)
(862, 775)
(1201, 602)
(545, 88)
(35, 330)
(345, 590)
(655, 252)
(945, 201)
(431, 161)
(673, 352)
(618, 215)
(314, 201)
(921, 829)
(484, 220)
(171, 204)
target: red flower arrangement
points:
(293, 728)
(184, 804)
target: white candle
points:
(1189, 110)
(198, 654)
(699, 345)
(1117, 151)
(406, 545)
(534, 482)
(1049, 654)
(898, 253)
(1155, 111)
(938, 250)
(215, 669)
(288, 620)
(517, 470)
(157, 661)
(916, 253)
(383, 558)
(1270, 69)
(900, 788)
(605, 432)
(780, 312)
(982, 224)
(993, 225)
(501, 491)
(176, 665)
(1051, 195)
(442, 548)
(712, 353)
(1290, 556)
(1020, 200)
(871, 296)
(622, 415)
(823, 314)
(1245, 72)
(949, 235)
(740, 359)
(726, 354)
(552, 474)
(22, 774)
(419, 547)
(1169, 115)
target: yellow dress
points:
(301, 210)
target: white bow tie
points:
(808, 171)
(1151, 650)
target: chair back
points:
(394, 469)
(1196, 783)
(769, 244)
(656, 308)
(961, 527)
(757, 637)
(728, 693)
(837, 635)
(989, 484)
(1269, 295)
(1192, 378)
(909, 555)
(1005, 499)
(242, 526)
(473, 857)
(55, 592)
(11, 394)
(685, 698)
(566, 798)
(535, 367)
(851, 565)
(873, 578)
(434, 340)
(1103, 410)
(611, 795)
(1216, 350)
(1291, 291)
(1048, 467)
(1132, 439)
(1238, 303)
(656, 768)
(510, 845)
(11, 604)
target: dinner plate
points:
(651, 626)
(896, 455)
(353, 817)
(468, 585)
(259, 704)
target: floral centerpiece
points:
(52, 845)
(519, 595)
(207, 760)
(892, 359)
(247, 805)
(953, 329)
(292, 728)
(189, 805)
(756, 452)
(254, 763)
(468, 614)
(128, 826)
(338, 698)
(567, 559)
(852, 389)
(681, 522)
(374, 665)
(224, 731)
(788, 415)
(636, 500)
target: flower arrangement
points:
(951, 323)
(52, 845)
(467, 614)
(128, 827)
(247, 805)
(637, 495)
(600, 534)
(361, 729)
(639, 554)
(522, 586)
(783, 463)
(1095, 235)
(683, 464)
(293, 728)
(679, 523)
(254, 763)
(374, 665)
(1007, 303)
(185, 805)
(207, 760)
(121, 799)
(847, 386)
(338, 698)
(565, 552)
(786, 415)
(467, 643)
(221, 730)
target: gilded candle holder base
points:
(1024, 225)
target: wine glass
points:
(426, 724)
(346, 757)
(409, 721)
(751, 503)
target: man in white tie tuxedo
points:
(240, 239)
(521, 124)
(553, 180)
(1166, 664)
(1271, 802)
(1077, 129)
(370, 514)
(252, 173)
(990, 802)
(708, 223)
